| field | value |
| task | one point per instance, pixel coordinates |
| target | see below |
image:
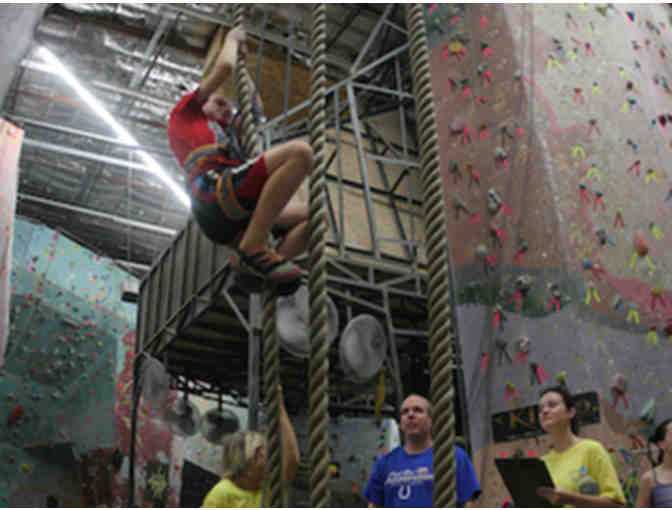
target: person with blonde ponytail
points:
(655, 486)
(244, 466)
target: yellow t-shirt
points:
(227, 494)
(565, 468)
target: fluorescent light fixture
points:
(124, 136)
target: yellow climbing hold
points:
(455, 47)
(552, 60)
(593, 171)
(578, 150)
(26, 467)
(653, 174)
(633, 313)
(652, 337)
(657, 233)
(592, 292)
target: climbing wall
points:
(10, 146)
(159, 453)
(554, 130)
(69, 347)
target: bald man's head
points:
(416, 418)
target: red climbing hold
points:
(15, 415)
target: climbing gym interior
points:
(485, 218)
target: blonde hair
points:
(239, 449)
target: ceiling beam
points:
(111, 23)
(69, 151)
(17, 119)
(98, 214)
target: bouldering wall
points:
(554, 137)
(58, 378)
(69, 347)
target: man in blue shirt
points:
(405, 476)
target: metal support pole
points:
(254, 362)
(403, 174)
(137, 78)
(362, 169)
(135, 401)
(402, 110)
(279, 118)
(372, 37)
(288, 76)
(391, 202)
(399, 387)
(339, 169)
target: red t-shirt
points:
(191, 133)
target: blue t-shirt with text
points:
(403, 480)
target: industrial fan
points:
(217, 423)
(154, 382)
(292, 317)
(183, 417)
(363, 348)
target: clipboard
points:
(522, 478)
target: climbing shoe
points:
(266, 267)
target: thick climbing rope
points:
(318, 384)
(440, 336)
(251, 141)
(272, 396)
(271, 350)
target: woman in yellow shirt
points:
(243, 467)
(581, 469)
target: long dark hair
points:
(568, 399)
(658, 435)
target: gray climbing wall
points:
(557, 108)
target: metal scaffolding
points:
(189, 295)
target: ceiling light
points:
(121, 132)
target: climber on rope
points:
(234, 201)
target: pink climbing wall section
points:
(555, 127)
